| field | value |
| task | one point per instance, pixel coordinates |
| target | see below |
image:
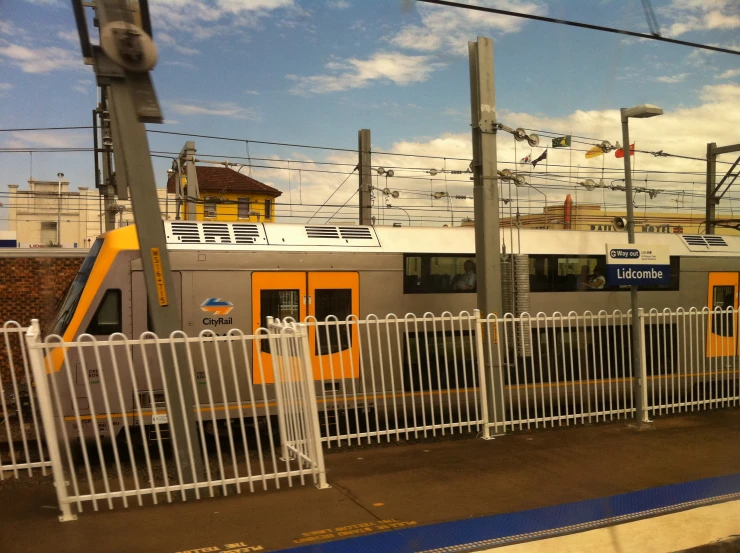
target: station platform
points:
(461, 494)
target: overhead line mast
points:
(122, 62)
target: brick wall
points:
(29, 289)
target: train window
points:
(584, 273)
(559, 273)
(107, 318)
(723, 297)
(68, 305)
(540, 273)
(337, 302)
(279, 304)
(439, 274)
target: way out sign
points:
(637, 265)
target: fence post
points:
(38, 366)
(642, 417)
(311, 409)
(276, 357)
(482, 377)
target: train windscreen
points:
(68, 305)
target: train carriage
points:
(236, 275)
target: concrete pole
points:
(485, 177)
(366, 184)
(187, 158)
(711, 198)
(636, 338)
(59, 209)
(487, 232)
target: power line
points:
(580, 25)
(46, 129)
(332, 194)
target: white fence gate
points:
(113, 395)
(21, 440)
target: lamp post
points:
(60, 176)
(639, 112)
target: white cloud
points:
(168, 40)
(48, 139)
(672, 79)
(252, 92)
(4, 87)
(40, 60)
(451, 28)
(180, 64)
(353, 73)
(682, 131)
(339, 4)
(219, 109)
(729, 74)
(700, 15)
(84, 86)
(201, 19)
(69, 36)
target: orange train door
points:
(278, 295)
(723, 294)
(320, 295)
(334, 295)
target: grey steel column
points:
(135, 162)
(485, 195)
(711, 198)
(366, 183)
(485, 177)
(636, 341)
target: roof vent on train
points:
(191, 232)
(705, 242)
(322, 235)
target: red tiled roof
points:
(222, 179)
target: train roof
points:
(220, 236)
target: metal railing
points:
(21, 442)
(416, 377)
(114, 446)
(396, 378)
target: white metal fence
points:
(414, 377)
(410, 377)
(21, 441)
(261, 424)
(112, 397)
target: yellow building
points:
(571, 216)
(227, 195)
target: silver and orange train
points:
(236, 275)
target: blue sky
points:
(314, 72)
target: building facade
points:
(49, 214)
(592, 217)
(226, 195)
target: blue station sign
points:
(637, 265)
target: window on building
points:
(439, 274)
(209, 206)
(107, 318)
(268, 209)
(244, 208)
(48, 232)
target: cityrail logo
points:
(217, 306)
